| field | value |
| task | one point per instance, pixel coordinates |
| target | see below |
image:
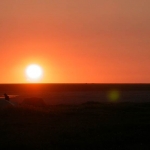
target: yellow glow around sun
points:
(34, 72)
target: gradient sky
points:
(88, 41)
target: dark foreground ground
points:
(74, 127)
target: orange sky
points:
(88, 41)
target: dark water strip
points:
(74, 87)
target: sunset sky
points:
(76, 41)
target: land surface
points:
(87, 126)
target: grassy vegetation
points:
(86, 126)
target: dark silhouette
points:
(34, 101)
(6, 97)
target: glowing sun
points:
(34, 72)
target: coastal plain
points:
(85, 126)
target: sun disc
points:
(34, 72)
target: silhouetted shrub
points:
(34, 101)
